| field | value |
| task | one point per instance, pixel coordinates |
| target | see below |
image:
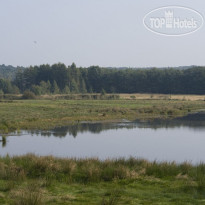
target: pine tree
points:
(83, 87)
(55, 88)
(73, 66)
(43, 87)
(74, 87)
(66, 90)
(48, 86)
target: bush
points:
(28, 95)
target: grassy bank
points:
(45, 114)
(46, 180)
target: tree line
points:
(59, 78)
(9, 72)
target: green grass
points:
(46, 114)
(30, 180)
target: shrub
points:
(28, 95)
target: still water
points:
(158, 140)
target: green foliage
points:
(94, 79)
(48, 87)
(6, 86)
(55, 89)
(83, 87)
(36, 89)
(74, 87)
(9, 72)
(28, 95)
(45, 87)
(66, 90)
(15, 90)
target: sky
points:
(108, 33)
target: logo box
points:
(173, 21)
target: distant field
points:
(126, 96)
(138, 96)
(163, 96)
(45, 114)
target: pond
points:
(160, 140)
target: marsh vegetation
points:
(46, 180)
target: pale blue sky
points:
(93, 32)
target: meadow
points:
(47, 112)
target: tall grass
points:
(94, 170)
(30, 195)
(26, 178)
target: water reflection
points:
(75, 129)
(193, 121)
(3, 140)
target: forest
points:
(62, 79)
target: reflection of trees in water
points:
(157, 124)
(3, 141)
(193, 121)
(81, 128)
(92, 128)
(196, 120)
